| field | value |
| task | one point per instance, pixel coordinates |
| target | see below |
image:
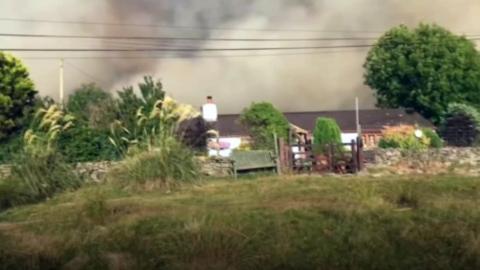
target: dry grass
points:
(269, 223)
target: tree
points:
(93, 106)
(17, 95)
(263, 120)
(326, 132)
(129, 103)
(424, 69)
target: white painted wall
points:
(232, 143)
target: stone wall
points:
(459, 160)
(96, 171)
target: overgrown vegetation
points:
(39, 170)
(272, 223)
(409, 138)
(263, 120)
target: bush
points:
(84, 144)
(35, 178)
(433, 137)
(461, 126)
(326, 132)
(263, 120)
(9, 148)
(403, 137)
(91, 105)
(167, 164)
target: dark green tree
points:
(424, 69)
(263, 120)
(461, 126)
(128, 102)
(17, 95)
(326, 132)
(93, 106)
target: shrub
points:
(403, 137)
(84, 144)
(326, 132)
(91, 105)
(263, 120)
(434, 138)
(39, 171)
(37, 178)
(461, 126)
(168, 164)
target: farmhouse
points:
(372, 123)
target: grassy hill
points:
(268, 223)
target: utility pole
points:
(357, 115)
(61, 83)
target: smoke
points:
(294, 80)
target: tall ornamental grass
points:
(156, 157)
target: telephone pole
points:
(61, 85)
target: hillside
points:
(268, 223)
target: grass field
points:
(267, 223)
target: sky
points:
(293, 80)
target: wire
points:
(185, 27)
(154, 57)
(172, 49)
(87, 74)
(183, 38)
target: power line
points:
(155, 57)
(87, 74)
(173, 49)
(181, 38)
(183, 26)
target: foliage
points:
(92, 105)
(162, 121)
(391, 222)
(17, 95)
(128, 104)
(84, 144)
(424, 69)
(42, 137)
(326, 132)
(263, 120)
(36, 178)
(170, 163)
(10, 147)
(461, 126)
(39, 171)
(403, 137)
(194, 133)
(433, 137)
(156, 157)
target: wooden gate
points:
(335, 158)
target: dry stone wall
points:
(96, 171)
(445, 160)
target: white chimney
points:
(209, 111)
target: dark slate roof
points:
(370, 120)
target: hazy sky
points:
(302, 80)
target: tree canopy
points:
(424, 69)
(93, 106)
(263, 120)
(17, 95)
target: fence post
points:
(353, 147)
(277, 156)
(360, 153)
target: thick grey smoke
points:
(295, 81)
